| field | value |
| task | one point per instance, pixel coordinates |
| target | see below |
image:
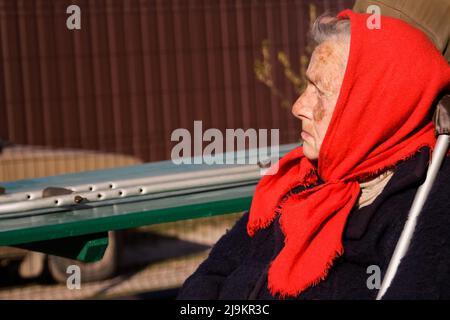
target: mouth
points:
(305, 135)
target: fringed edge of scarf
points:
(372, 174)
(263, 222)
(284, 294)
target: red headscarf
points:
(382, 116)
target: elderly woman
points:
(333, 212)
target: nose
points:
(300, 109)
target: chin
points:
(310, 154)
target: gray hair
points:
(328, 27)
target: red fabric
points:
(382, 116)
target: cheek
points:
(319, 111)
(322, 117)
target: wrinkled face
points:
(316, 104)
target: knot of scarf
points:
(383, 116)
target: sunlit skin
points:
(316, 104)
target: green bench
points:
(81, 231)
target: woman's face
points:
(316, 104)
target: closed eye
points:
(308, 79)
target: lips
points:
(305, 134)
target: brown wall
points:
(137, 70)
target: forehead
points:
(324, 59)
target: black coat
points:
(237, 265)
